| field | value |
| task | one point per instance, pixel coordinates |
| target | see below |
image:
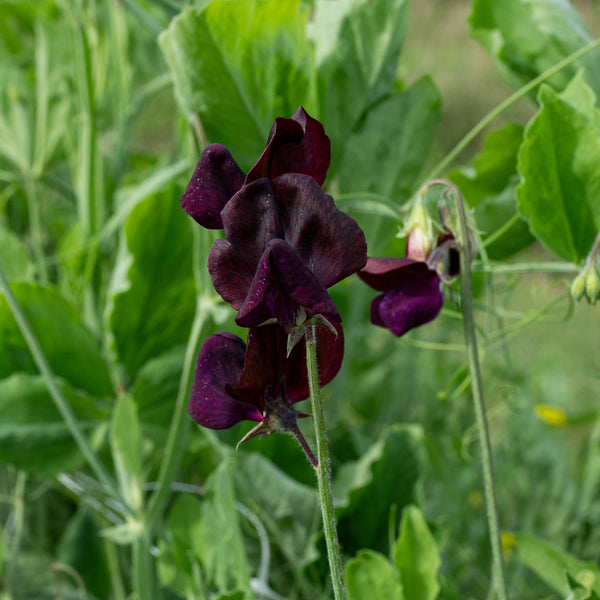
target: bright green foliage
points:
(71, 350)
(14, 257)
(153, 289)
(371, 575)
(33, 435)
(526, 37)
(558, 162)
(417, 557)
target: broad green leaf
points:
(153, 288)
(527, 37)
(417, 557)
(71, 350)
(33, 435)
(371, 575)
(385, 476)
(14, 257)
(552, 564)
(387, 153)
(238, 64)
(560, 190)
(358, 48)
(126, 448)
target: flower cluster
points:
(285, 243)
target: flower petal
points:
(296, 145)
(412, 303)
(327, 240)
(383, 274)
(216, 179)
(218, 367)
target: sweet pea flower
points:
(236, 382)
(285, 244)
(296, 145)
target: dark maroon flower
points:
(411, 296)
(296, 145)
(286, 243)
(236, 382)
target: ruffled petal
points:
(383, 274)
(296, 145)
(412, 303)
(218, 367)
(329, 242)
(216, 179)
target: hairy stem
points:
(323, 469)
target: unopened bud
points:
(419, 230)
(578, 286)
(592, 285)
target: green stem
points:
(36, 233)
(323, 469)
(533, 267)
(143, 581)
(18, 500)
(492, 115)
(60, 401)
(466, 296)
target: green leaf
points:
(417, 557)
(33, 435)
(14, 257)
(126, 448)
(71, 350)
(153, 288)
(389, 164)
(525, 38)
(386, 475)
(238, 65)
(358, 45)
(560, 190)
(370, 575)
(551, 563)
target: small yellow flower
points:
(551, 415)
(507, 539)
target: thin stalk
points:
(323, 469)
(532, 267)
(60, 401)
(18, 500)
(492, 115)
(477, 391)
(143, 581)
(35, 231)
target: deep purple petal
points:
(219, 366)
(296, 145)
(383, 274)
(412, 303)
(216, 179)
(329, 242)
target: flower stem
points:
(493, 114)
(477, 390)
(323, 469)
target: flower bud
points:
(592, 285)
(578, 286)
(421, 238)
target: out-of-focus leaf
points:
(551, 564)
(386, 475)
(70, 348)
(527, 37)
(14, 257)
(560, 190)
(387, 153)
(153, 288)
(238, 65)
(33, 435)
(358, 45)
(417, 557)
(371, 575)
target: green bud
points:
(578, 286)
(592, 285)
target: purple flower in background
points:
(286, 243)
(236, 382)
(411, 296)
(296, 145)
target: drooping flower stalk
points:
(466, 295)
(323, 469)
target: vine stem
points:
(55, 392)
(498, 110)
(466, 296)
(323, 469)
